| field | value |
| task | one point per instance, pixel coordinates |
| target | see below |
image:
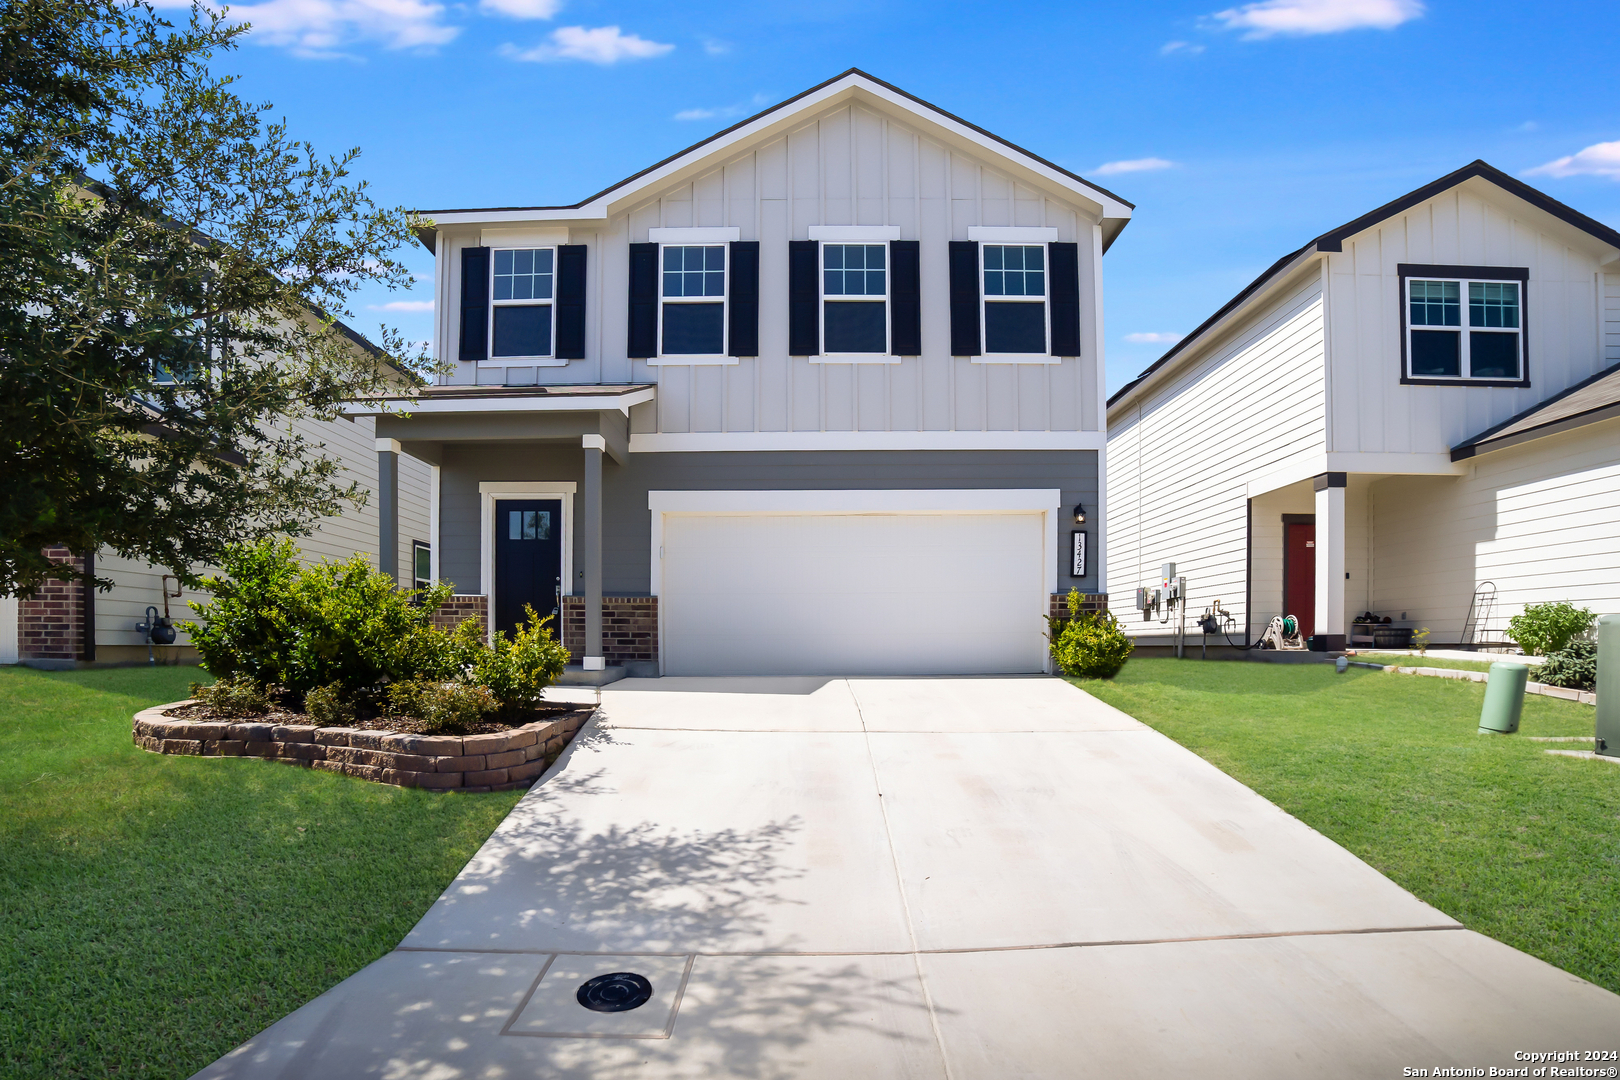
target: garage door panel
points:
(853, 594)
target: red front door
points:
(1299, 574)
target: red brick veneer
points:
(461, 607)
(629, 627)
(1059, 608)
(50, 621)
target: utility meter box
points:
(1608, 686)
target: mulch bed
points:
(407, 724)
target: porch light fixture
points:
(1079, 513)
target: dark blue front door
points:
(528, 559)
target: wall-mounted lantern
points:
(1079, 513)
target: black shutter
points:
(474, 305)
(641, 342)
(571, 302)
(804, 328)
(1065, 260)
(905, 298)
(965, 298)
(744, 298)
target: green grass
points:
(156, 911)
(1515, 843)
(1402, 660)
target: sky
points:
(1239, 132)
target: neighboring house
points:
(1413, 410)
(68, 624)
(818, 395)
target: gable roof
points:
(854, 82)
(1333, 240)
(1587, 402)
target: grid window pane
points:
(1014, 270)
(1493, 303)
(694, 329)
(1437, 353)
(855, 269)
(520, 525)
(856, 326)
(1015, 328)
(523, 273)
(1493, 356)
(522, 330)
(1435, 303)
(695, 270)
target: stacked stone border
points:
(497, 762)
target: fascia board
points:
(537, 404)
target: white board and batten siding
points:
(849, 165)
(1572, 314)
(1181, 456)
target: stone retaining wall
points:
(497, 762)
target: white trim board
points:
(848, 233)
(760, 441)
(703, 234)
(525, 403)
(491, 490)
(1013, 234)
(523, 238)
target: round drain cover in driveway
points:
(619, 992)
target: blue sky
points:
(1239, 132)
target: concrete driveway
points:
(941, 878)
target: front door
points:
(528, 559)
(1299, 573)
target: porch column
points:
(594, 445)
(388, 507)
(1330, 540)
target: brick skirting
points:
(629, 627)
(498, 762)
(50, 620)
(461, 607)
(1059, 608)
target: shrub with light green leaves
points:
(235, 697)
(1089, 645)
(1574, 666)
(1543, 629)
(516, 670)
(443, 708)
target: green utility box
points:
(1608, 686)
(1504, 699)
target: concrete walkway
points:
(940, 878)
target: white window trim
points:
(709, 234)
(985, 355)
(493, 361)
(694, 359)
(489, 491)
(1465, 373)
(1048, 502)
(854, 234)
(822, 295)
(1014, 234)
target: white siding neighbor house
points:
(819, 394)
(1416, 414)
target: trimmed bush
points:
(517, 670)
(329, 706)
(448, 708)
(1089, 645)
(1574, 666)
(1543, 629)
(235, 697)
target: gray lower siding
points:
(627, 523)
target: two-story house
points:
(1413, 415)
(820, 394)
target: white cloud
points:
(726, 112)
(404, 305)
(602, 45)
(1153, 338)
(716, 48)
(1599, 159)
(1301, 17)
(1146, 164)
(520, 9)
(321, 28)
(697, 114)
(1187, 47)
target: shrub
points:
(1574, 666)
(517, 670)
(1089, 645)
(1543, 629)
(235, 697)
(342, 624)
(442, 707)
(327, 707)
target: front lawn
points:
(1515, 843)
(156, 911)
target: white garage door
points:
(853, 594)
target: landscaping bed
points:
(1518, 844)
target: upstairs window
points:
(694, 300)
(521, 320)
(854, 294)
(1463, 328)
(1014, 299)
